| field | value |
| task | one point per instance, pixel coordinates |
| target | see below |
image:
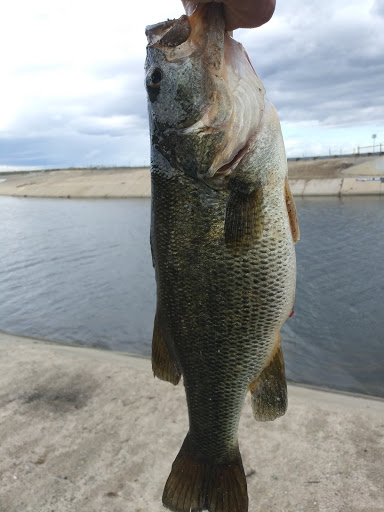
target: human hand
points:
(240, 13)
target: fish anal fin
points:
(197, 483)
(163, 366)
(269, 390)
(244, 219)
(292, 213)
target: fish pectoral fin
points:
(244, 217)
(269, 390)
(163, 366)
(292, 213)
(197, 483)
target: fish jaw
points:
(204, 99)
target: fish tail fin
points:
(197, 483)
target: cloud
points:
(113, 126)
(378, 7)
(72, 81)
(76, 150)
(322, 63)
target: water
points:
(336, 336)
(80, 271)
(77, 271)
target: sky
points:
(72, 75)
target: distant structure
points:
(370, 149)
(374, 150)
(373, 138)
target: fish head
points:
(204, 98)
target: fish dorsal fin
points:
(292, 213)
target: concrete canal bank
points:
(85, 430)
(351, 176)
(359, 186)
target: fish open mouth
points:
(173, 33)
(169, 33)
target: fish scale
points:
(222, 240)
(228, 303)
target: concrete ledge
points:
(297, 187)
(323, 187)
(354, 186)
(87, 430)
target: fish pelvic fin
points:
(197, 483)
(163, 366)
(269, 391)
(244, 220)
(292, 213)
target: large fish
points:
(222, 235)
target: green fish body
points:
(223, 231)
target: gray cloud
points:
(130, 100)
(378, 8)
(323, 67)
(76, 149)
(321, 63)
(112, 126)
(79, 131)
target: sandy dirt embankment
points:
(86, 430)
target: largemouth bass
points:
(222, 236)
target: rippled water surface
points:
(80, 271)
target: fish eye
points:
(153, 82)
(156, 76)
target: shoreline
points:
(85, 429)
(341, 178)
(136, 356)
